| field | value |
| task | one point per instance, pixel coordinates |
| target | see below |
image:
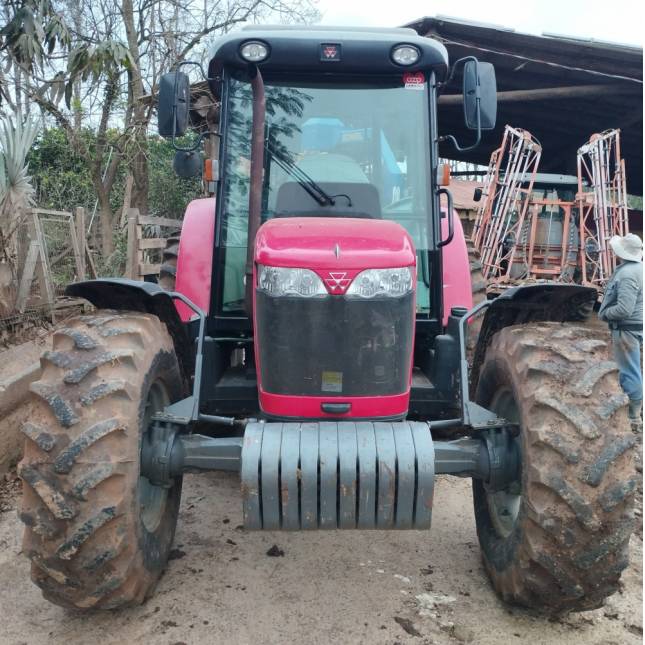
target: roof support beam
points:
(550, 93)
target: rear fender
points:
(550, 302)
(195, 259)
(123, 294)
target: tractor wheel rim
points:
(504, 505)
(152, 499)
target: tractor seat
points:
(294, 201)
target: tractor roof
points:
(305, 50)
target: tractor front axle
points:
(366, 475)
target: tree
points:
(61, 178)
(90, 65)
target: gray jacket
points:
(623, 301)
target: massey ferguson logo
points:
(329, 52)
(337, 282)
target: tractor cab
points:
(328, 165)
(340, 142)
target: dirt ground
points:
(326, 587)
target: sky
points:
(620, 21)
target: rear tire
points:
(557, 540)
(168, 270)
(98, 534)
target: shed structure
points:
(559, 88)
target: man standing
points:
(622, 309)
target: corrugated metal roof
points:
(561, 124)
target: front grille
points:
(334, 346)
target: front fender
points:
(545, 302)
(123, 294)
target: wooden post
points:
(90, 262)
(42, 267)
(36, 263)
(127, 196)
(77, 250)
(132, 260)
(27, 276)
(81, 238)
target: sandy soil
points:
(334, 587)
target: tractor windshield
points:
(331, 150)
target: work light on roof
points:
(254, 51)
(405, 55)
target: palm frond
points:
(16, 139)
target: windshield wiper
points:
(310, 186)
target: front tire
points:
(97, 533)
(557, 539)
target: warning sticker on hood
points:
(332, 382)
(414, 80)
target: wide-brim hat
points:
(628, 247)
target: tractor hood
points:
(326, 243)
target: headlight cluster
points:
(371, 283)
(280, 281)
(381, 282)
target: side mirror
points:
(480, 83)
(174, 104)
(187, 163)
(477, 195)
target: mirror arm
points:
(451, 139)
(456, 64)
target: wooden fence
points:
(42, 252)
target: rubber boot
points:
(636, 414)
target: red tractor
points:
(315, 341)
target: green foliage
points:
(16, 139)
(114, 264)
(62, 179)
(33, 32)
(94, 62)
(16, 187)
(168, 194)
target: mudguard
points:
(123, 294)
(195, 259)
(544, 302)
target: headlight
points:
(254, 51)
(279, 281)
(381, 282)
(405, 55)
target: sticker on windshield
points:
(414, 80)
